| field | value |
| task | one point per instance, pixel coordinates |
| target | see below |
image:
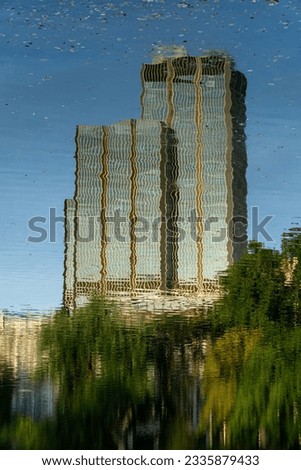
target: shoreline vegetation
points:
(263, 286)
(231, 380)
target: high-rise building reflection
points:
(160, 202)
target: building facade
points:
(160, 202)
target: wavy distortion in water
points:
(160, 202)
(226, 378)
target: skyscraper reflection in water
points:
(160, 202)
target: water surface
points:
(127, 382)
(167, 374)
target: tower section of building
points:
(203, 100)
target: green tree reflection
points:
(122, 382)
(6, 393)
(231, 379)
(263, 286)
(252, 390)
(252, 375)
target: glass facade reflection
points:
(160, 202)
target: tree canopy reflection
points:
(263, 286)
(123, 383)
(251, 389)
(227, 379)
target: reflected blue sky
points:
(71, 62)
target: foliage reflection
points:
(228, 378)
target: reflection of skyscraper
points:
(117, 238)
(160, 202)
(202, 99)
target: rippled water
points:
(79, 63)
(147, 382)
(214, 136)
